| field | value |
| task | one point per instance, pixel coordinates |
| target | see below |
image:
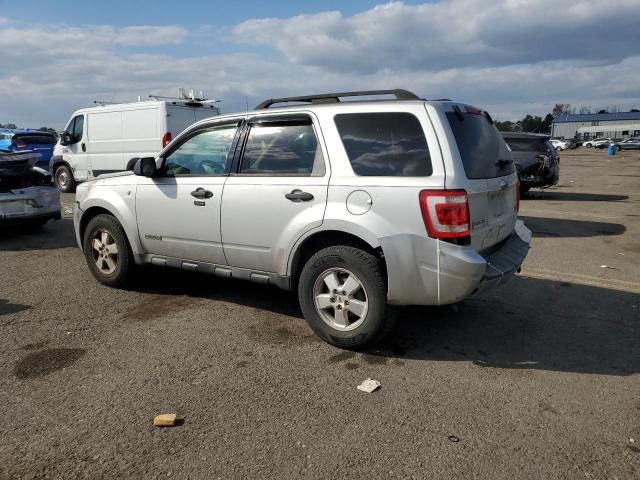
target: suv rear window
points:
(480, 145)
(525, 144)
(36, 139)
(385, 144)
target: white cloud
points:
(512, 59)
(50, 40)
(452, 34)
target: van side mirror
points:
(144, 167)
(65, 138)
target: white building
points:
(591, 125)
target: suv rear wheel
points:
(107, 251)
(342, 292)
(64, 179)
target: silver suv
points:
(359, 205)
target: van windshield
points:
(480, 144)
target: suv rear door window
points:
(385, 144)
(286, 148)
(480, 144)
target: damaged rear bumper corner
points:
(505, 262)
(424, 271)
(31, 203)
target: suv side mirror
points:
(144, 167)
(65, 138)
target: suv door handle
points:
(201, 193)
(298, 195)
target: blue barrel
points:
(611, 150)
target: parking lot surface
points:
(537, 380)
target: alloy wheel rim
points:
(63, 179)
(340, 299)
(105, 251)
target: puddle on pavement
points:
(44, 362)
(633, 247)
(157, 306)
(270, 333)
(34, 346)
(342, 357)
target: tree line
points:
(534, 124)
(537, 124)
(13, 126)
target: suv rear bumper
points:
(29, 203)
(424, 271)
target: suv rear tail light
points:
(445, 213)
(166, 139)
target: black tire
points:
(63, 178)
(589, 146)
(558, 149)
(123, 259)
(379, 318)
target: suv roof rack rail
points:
(335, 97)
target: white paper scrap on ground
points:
(369, 385)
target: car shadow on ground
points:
(167, 281)
(560, 227)
(7, 307)
(54, 234)
(572, 196)
(528, 324)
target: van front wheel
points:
(64, 179)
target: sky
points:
(511, 57)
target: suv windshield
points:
(480, 144)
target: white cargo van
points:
(103, 139)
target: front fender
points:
(120, 202)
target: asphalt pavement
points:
(537, 380)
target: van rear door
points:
(181, 116)
(491, 182)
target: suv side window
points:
(282, 148)
(204, 152)
(385, 144)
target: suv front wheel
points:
(107, 251)
(342, 292)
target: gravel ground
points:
(537, 380)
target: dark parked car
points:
(613, 141)
(27, 194)
(628, 144)
(41, 143)
(536, 161)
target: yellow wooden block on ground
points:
(165, 420)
